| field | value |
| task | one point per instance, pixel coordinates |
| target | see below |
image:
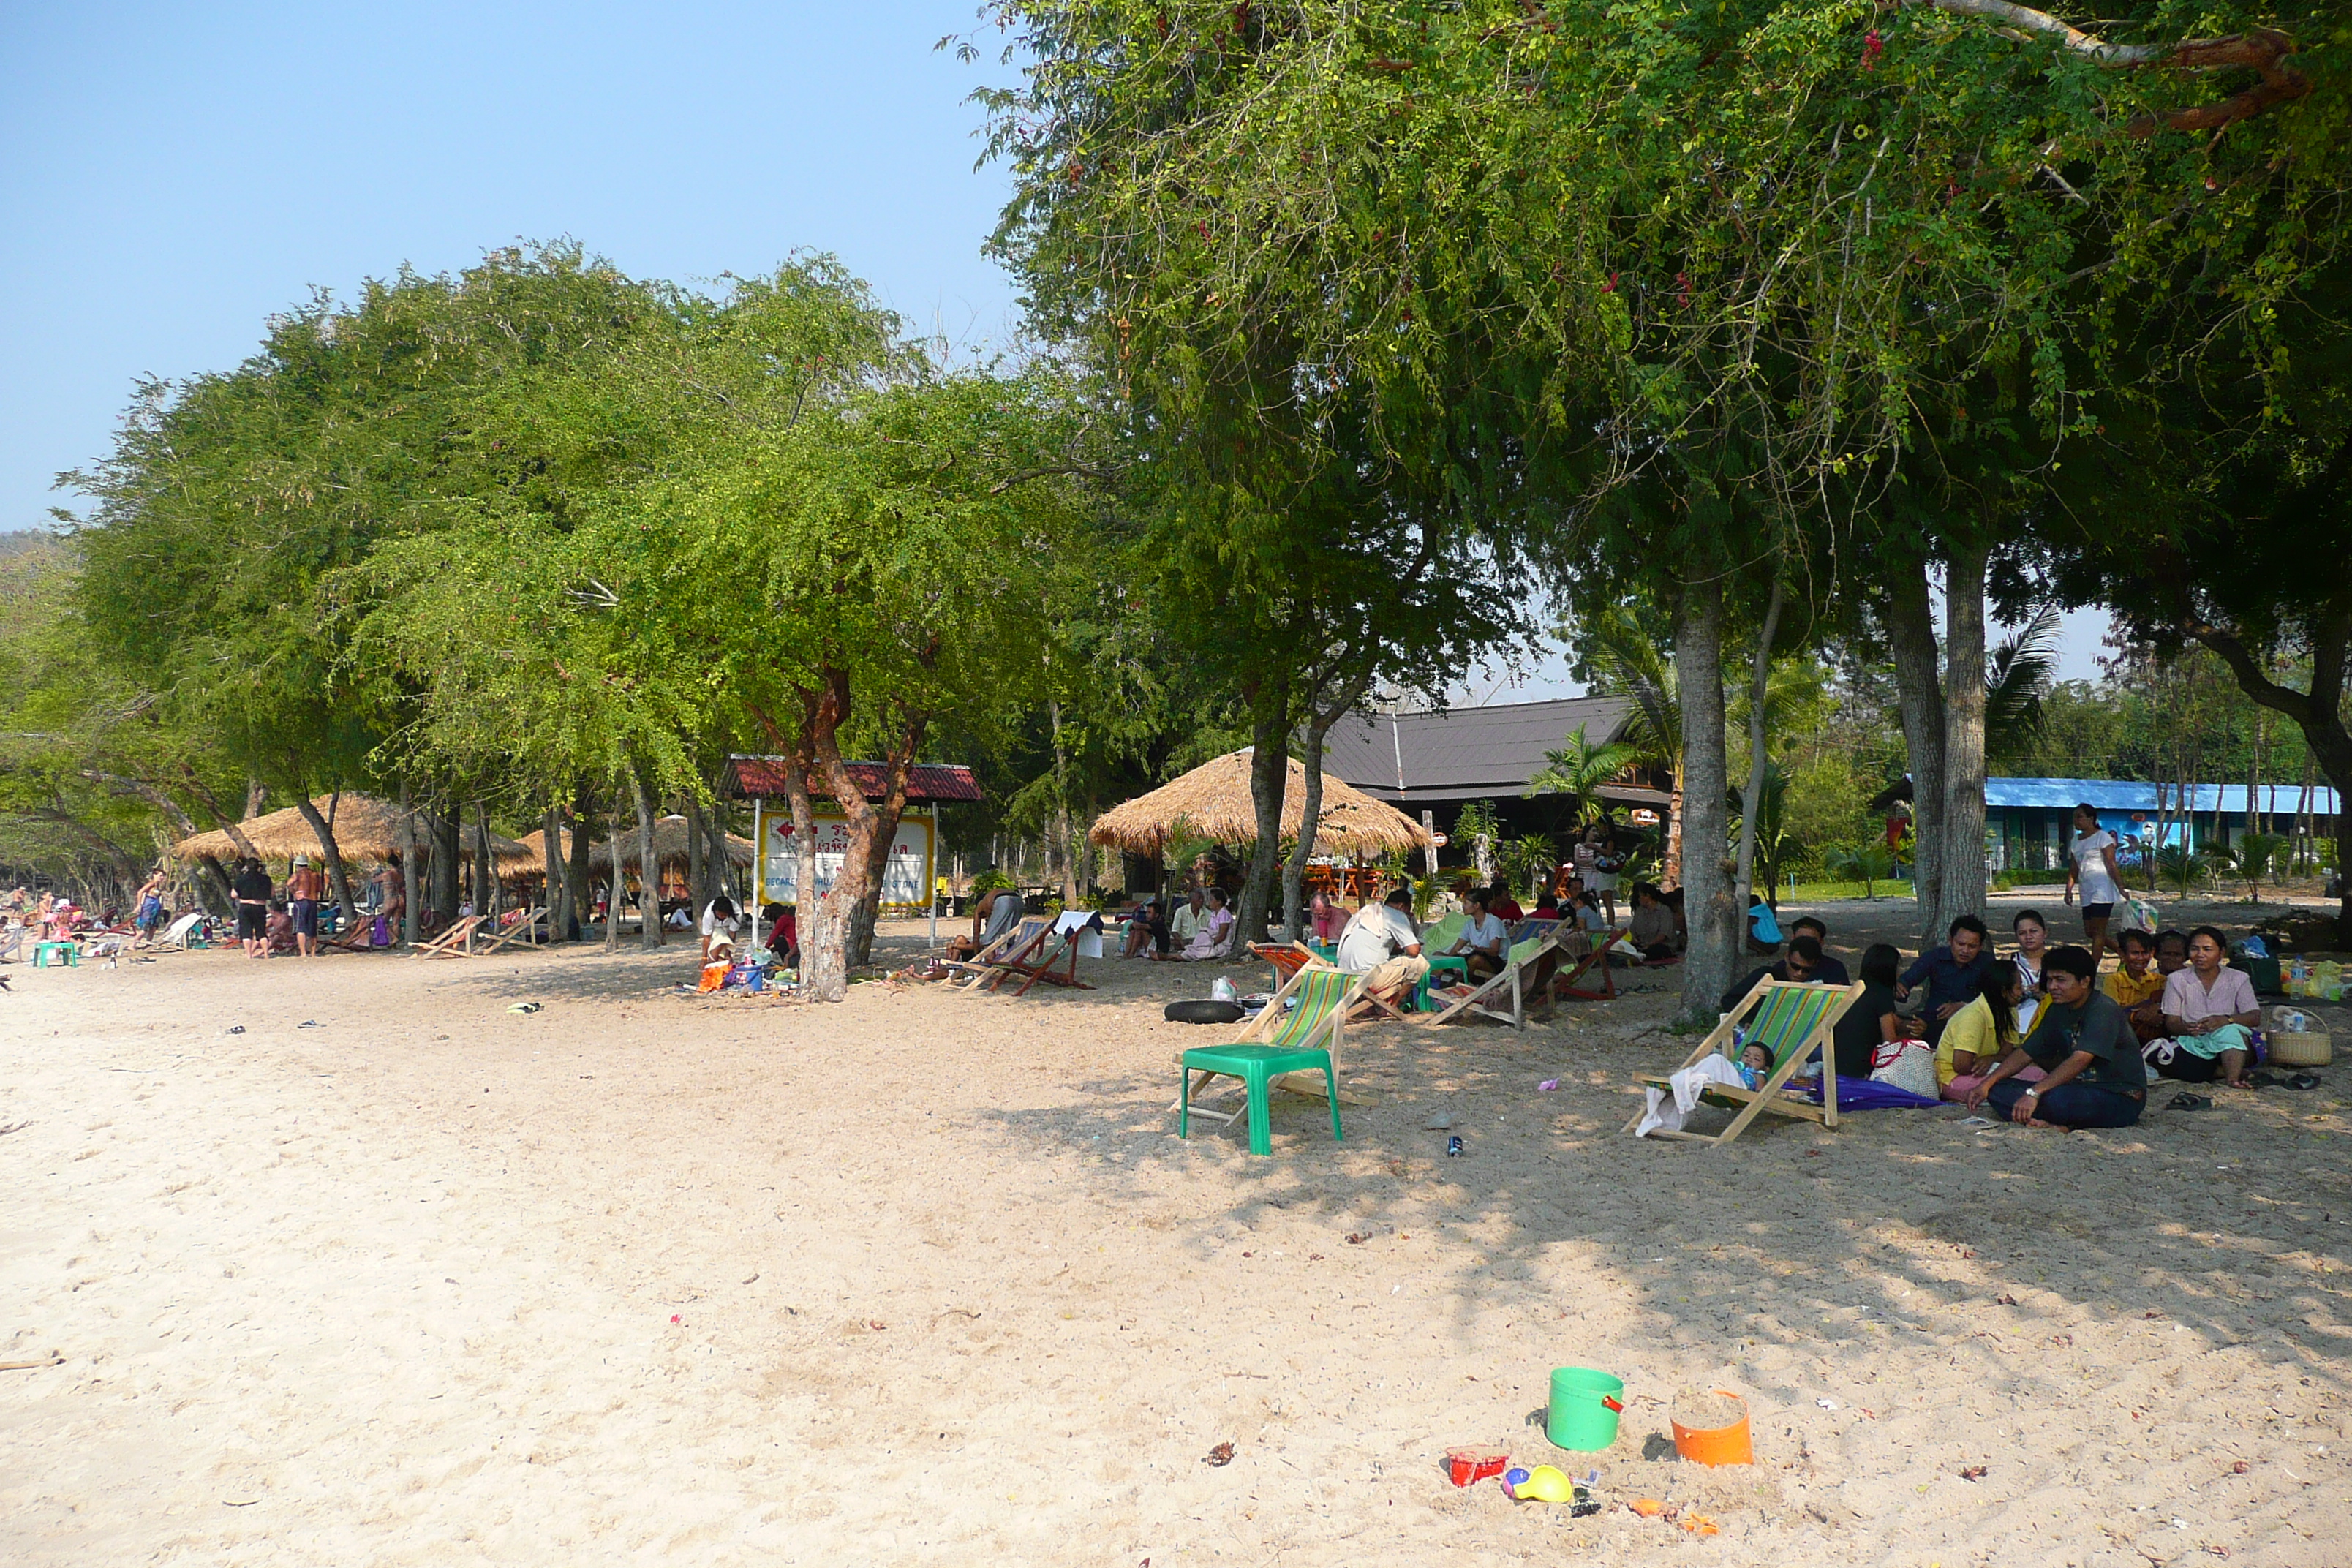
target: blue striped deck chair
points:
(1795, 1021)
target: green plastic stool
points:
(1257, 1067)
(46, 953)
(1454, 964)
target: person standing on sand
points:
(150, 905)
(303, 890)
(252, 891)
(390, 897)
(2090, 865)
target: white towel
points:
(1688, 1085)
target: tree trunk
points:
(1070, 895)
(226, 903)
(444, 827)
(649, 920)
(338, 875)
(1962, 890)
(1706, 888)
(1310, 818)
(697, 893)
(1911, 639)
(486, 881)
(411, 877)
(577, 872)
(2319, 712)
(551, 855)
(1752, 795)
(617, 887)
(1269, 777)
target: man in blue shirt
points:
(1953, 973)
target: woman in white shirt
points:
(2090, 863)
(719, 919)
(1483, 938)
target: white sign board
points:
(904, 878)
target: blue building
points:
(2030, 822)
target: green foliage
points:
(1869, 863)
(1527, 863)
(1579, 768)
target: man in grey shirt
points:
(2093, 1072)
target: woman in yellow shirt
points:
(1978, 1033)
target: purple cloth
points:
(1869, 1094)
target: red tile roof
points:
(926, 782)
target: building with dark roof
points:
(1456, 755)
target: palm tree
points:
(1579, 768)
(1629, 665)
(2017, 673)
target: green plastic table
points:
(1257, 1067)
(45, 953)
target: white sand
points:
(400, 1289)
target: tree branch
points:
(2264, 49)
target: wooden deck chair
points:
(1795, 1021)
(1573, 983)
(1318, 1022)
(1021, 941)
(974, 971)
(523, 933)
(458, 942)
(1042, 967)
(1518, 979)
(177, 933)
(1287, 958)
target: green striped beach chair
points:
(1297, 1050)
(1795, 1020)
(1525, 974)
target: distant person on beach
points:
(1980, 1035)
(1186, 918)
(1483, 939)
(2090, 865)
(1655, 928)
(1212, 938)
(252, 889)
(1830, 971)
(2137, 984)
(150, 907)
(719, 919)
(304, 889)
(390, 897)
(783, 933)
(993, 915)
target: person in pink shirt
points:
(2211, 1010)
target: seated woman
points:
(2138, 985)
(783, 933)
(280, 929)
(1547, 907)
(2210, 1011)
(1213, 939)
(1503, 907)
(1655, 929)
(1979, 1033)
(1871, 1022)
(1484, 937)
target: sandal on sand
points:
(2190, 1102)
(2301, 1081)
(2261, 1081)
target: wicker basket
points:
(2301, 1051)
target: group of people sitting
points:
(2038, 1033)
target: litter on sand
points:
(525, 1007)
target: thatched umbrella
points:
(669, 847)
(365, 829)
(1212, 802)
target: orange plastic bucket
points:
(1722, 1442)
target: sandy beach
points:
(397, 1275)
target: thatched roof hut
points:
(365, 829)
(669, 847)
(1212, 802)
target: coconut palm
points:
(1579, 768)
(2017, 673)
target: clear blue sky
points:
(175, 173)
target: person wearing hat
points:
(303, 890)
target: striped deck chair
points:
(1287, 958)
(982, 965)
(1525, 972)
(1319, 1022)
(1795, 1021)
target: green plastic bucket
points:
(1585, 1405)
